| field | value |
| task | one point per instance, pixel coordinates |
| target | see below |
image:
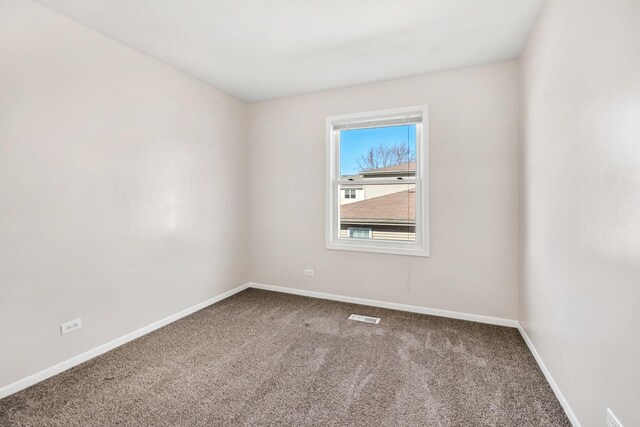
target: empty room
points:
(320, 213)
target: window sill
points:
(407, 250)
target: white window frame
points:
(420, 247)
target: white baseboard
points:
(76, 360)
(393, 306)
(442, 313)
(565, 405)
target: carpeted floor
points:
(263, 358)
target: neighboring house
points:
(379, 211)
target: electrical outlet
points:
(612, 421)
(65, 328)
(308, 272)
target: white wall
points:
(124, 194)
(580, 268)
(474, 174)
(121, 189)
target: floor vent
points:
(366, 319)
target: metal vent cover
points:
(365, 319)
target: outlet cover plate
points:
(74, 325)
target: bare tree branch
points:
(384, 156)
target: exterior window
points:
(360, 233)
(385, 155)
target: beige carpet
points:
(263, 358)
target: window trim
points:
(332, 238)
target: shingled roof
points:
(391, 208)
(408, 167)
(402, 167)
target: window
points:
(360, 233)
(385, 155)
(350, 193)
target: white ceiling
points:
(263, 49)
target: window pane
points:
(360, 233)
(385, 211)
(351, 193)
(384, 152)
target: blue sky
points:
(354, 143)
